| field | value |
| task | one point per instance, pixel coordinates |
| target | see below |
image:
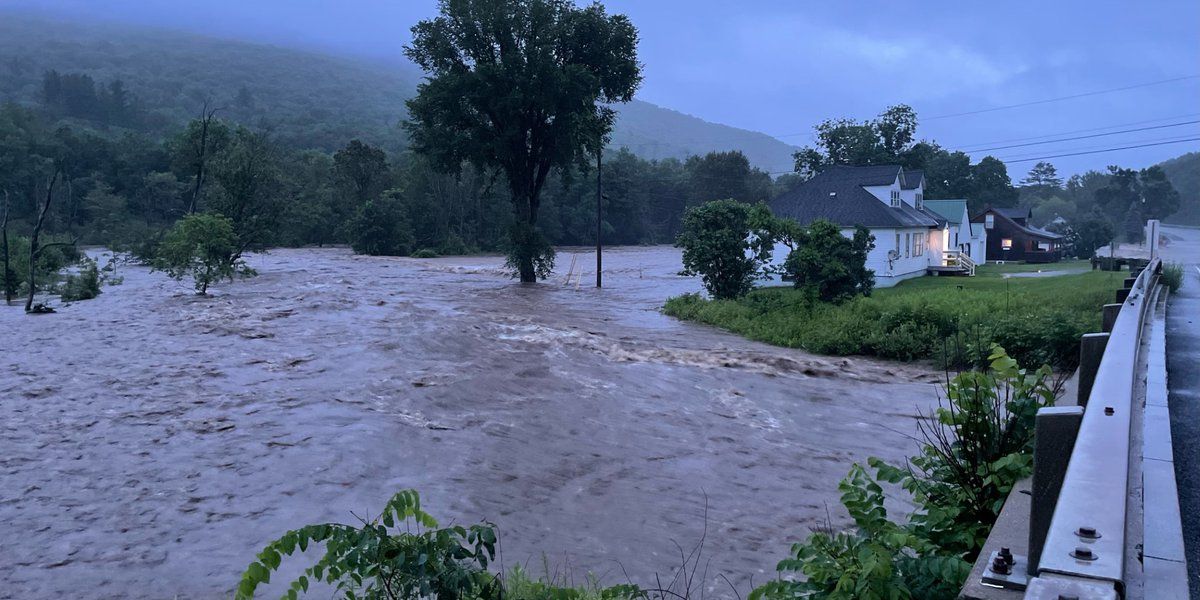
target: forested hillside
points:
(306, 100)
(1184, 173)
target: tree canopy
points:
(520, 87)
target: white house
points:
(910, 239)
(958, 231)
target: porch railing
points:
(960, 259)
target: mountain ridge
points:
(315, 99)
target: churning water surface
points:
(153, 441)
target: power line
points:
(1094, 146)
(1089, 130)
(1083, 137)
(1061, 98)
(1101, 151)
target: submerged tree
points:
(34, 249)
(202, 246)
(519, 88)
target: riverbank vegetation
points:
(950, 319)
(977, 447)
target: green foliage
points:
(83, 285)
(403, 554)
(1089, 233)
(529, 254)
(400, 554)
(1184, 174)
(829, 265)
(889, 139)
(381, 227)
(541, 103)
(56, 254)
(728, 244)
(953, 320)
(204, 247)
(1172, 276)
(425, 253)
(979, 446)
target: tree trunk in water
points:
(526, 270)
(33, 239)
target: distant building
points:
(910, 239)
(958, 233)
(1011, 237)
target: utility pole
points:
(599, 215)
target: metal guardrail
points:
(1087, 533)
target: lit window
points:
(895, 198)
(1006, 243)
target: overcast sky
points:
(780, 66)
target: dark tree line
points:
(891, 138)
(1095, 208)
(124, 189)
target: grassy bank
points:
(1037, 319)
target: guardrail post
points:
(1110, 316)
(1054, 439)
(1091, 350)
(1123, 295)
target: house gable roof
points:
(1003, 213)
(912, 179)
(838, 194)
(950, 210)
(1013, 213)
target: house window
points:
(918, 244)
(897, 244)
(920, 200)
(989, 222)
(895, 198)
(907, 244)
(1006, 243)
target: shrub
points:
(404, 554)
(204, 247)
(1172, 276)
(727, 244)
(979, 446)
(83, 285)
(425, 253)
(454, 245)
(829, 265)
(381, 228)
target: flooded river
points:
(152, 441)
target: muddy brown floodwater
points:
(154, 441)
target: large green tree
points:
(881, 140)
(519, 88)
(361, 170)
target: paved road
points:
(1183, 377)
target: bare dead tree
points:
(206, 118)
(34, 250)
(8, 274)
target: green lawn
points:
(952, 319)
(994, 270)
